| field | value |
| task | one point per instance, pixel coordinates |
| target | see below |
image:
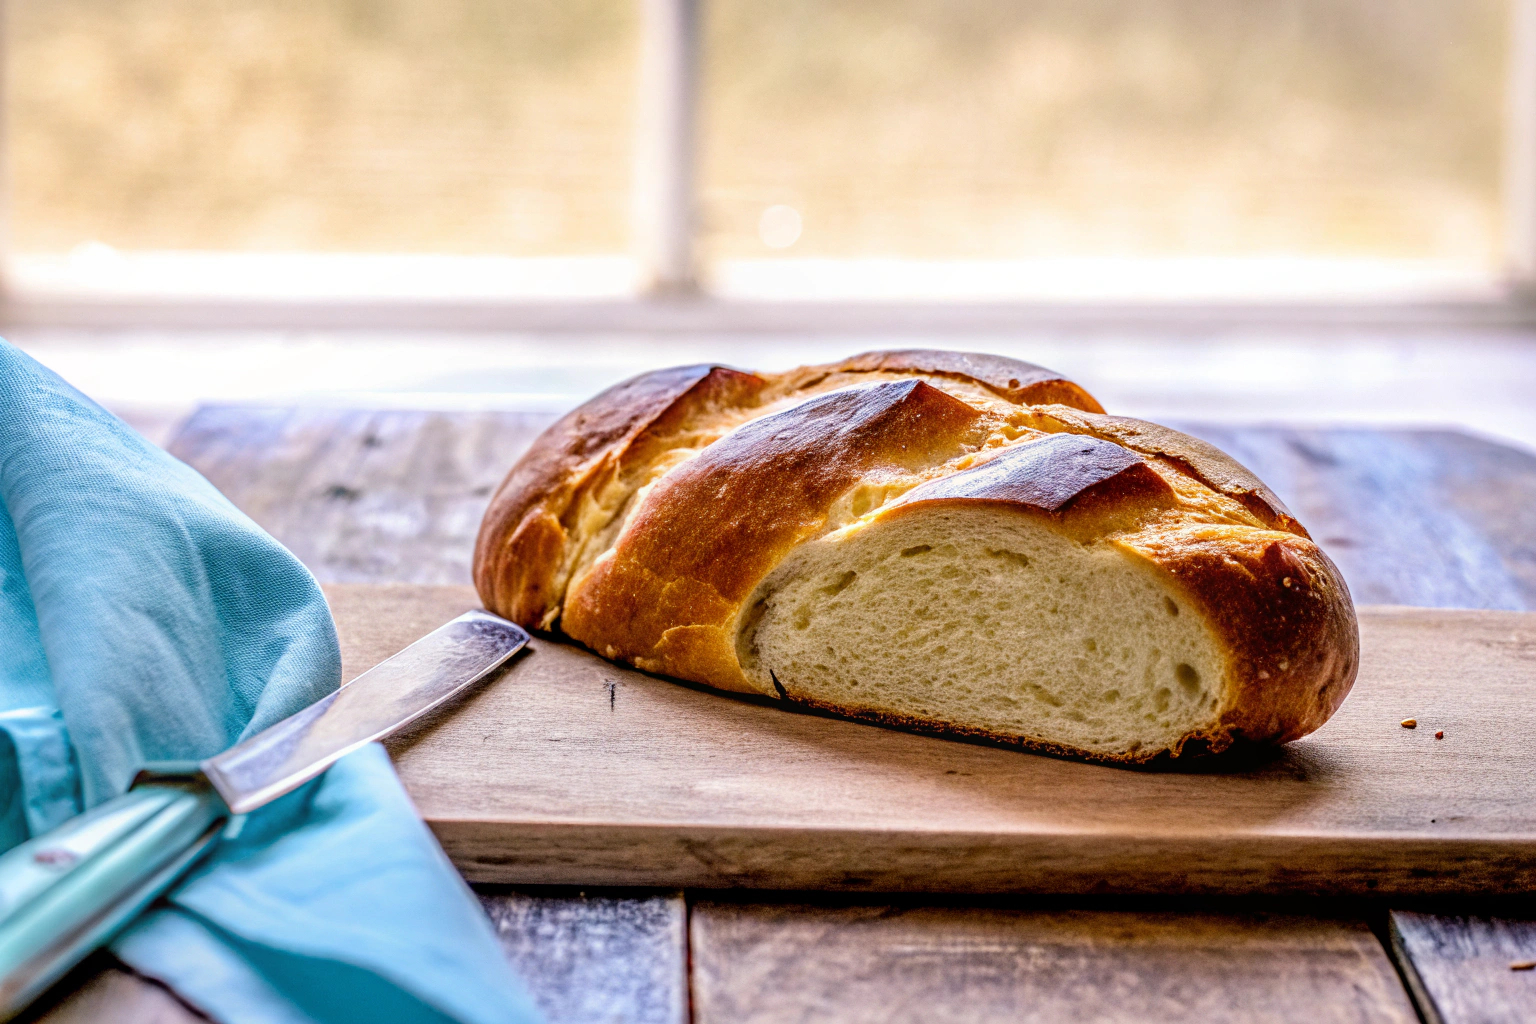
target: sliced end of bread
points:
(1006, 628)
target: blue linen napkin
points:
(143, 618)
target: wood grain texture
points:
(1433, 518)
(570, 770)
(774, 964)
(1460, 968)
(360, 495)
(597, 959)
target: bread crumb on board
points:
(1409, 723)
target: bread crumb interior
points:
(990, 621)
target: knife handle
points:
(65, 893)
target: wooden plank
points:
(1433, 518)
(1468, 970)
(594, 959)
(361, 495)
(777, 964)
(570, 770)
(585, 959)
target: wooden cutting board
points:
(567, 769)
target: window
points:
(1104, 132)
(457, 127)
(874, 149)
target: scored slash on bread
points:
(955, 543)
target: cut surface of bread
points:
(994, 623)
(956, 543)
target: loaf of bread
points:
(953, 543)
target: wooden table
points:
(1427, 518)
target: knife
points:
(65, 893)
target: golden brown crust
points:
(667, 595)
(1204, 461)
(1047, 476)
(523, 537)
(643, 522)
(1284, 613)
(525, 540)
(1287, 676)
(1018, 381)
(1278, 604)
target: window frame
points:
(664, 246)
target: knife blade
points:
(280, 759)
(68, 892)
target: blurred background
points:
(348, 258)
(604, 185)
(931, 130)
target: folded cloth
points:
(144, 618)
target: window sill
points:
(97, 287)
